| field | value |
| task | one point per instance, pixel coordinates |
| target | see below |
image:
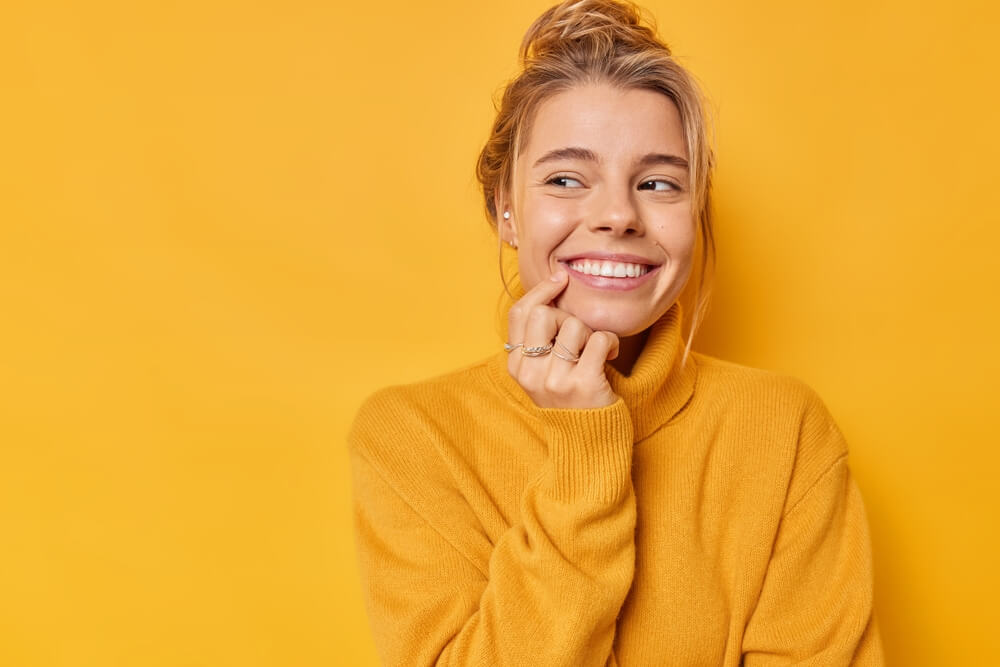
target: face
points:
(602, 191)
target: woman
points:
(596, 493)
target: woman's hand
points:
(550, 380)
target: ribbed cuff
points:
(590, 451)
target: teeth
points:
(609, 269)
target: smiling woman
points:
(608, 202)
(597, 493)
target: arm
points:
(816, 603)
(555, 580)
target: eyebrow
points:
(577, 153)
(571, 153)
(651, 159)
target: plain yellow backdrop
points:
(223, 224)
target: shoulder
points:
(739, 385)
(422, 420)
(781, 406)
(419, 442)
(411, 443)
(407, 405)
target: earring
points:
(506, 216)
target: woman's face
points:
(602, 192)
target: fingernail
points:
(557, 276)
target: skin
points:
(607, 201)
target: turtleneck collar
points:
(655, 390)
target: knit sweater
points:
(708, 517)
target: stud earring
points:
(506, 215)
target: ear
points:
(506, 226)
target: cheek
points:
(545, 225)
(677, 237)
(547, 218)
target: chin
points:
(619, 321)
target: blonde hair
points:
(601, 41)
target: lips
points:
(610, 271)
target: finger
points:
(542, 325)
(541, 294)
(570, 340)
(600, 347)
(615, 346)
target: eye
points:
(565, 182)
(659, 185)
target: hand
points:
(550, 381)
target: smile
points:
(601, 274)
(608, 269)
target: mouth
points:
(608, 269)
(610, 272)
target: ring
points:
(572, 357)
(539, 351)
(510, 348)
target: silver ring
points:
(510, 348)
(539, 351)
(572, 357)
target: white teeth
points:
(609, 269)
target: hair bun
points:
(596, 26)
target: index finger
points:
(541, 294)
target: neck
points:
(629, 349)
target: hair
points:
(601, 41)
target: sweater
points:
(707, 517)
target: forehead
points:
(613, 122)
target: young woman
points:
(596, 493)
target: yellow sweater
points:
(707, 518)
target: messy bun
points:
(593, 29)
(601, 41)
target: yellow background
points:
(222, 224)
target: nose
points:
(618, 213)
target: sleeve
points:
(816, 602)
(555, 580)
